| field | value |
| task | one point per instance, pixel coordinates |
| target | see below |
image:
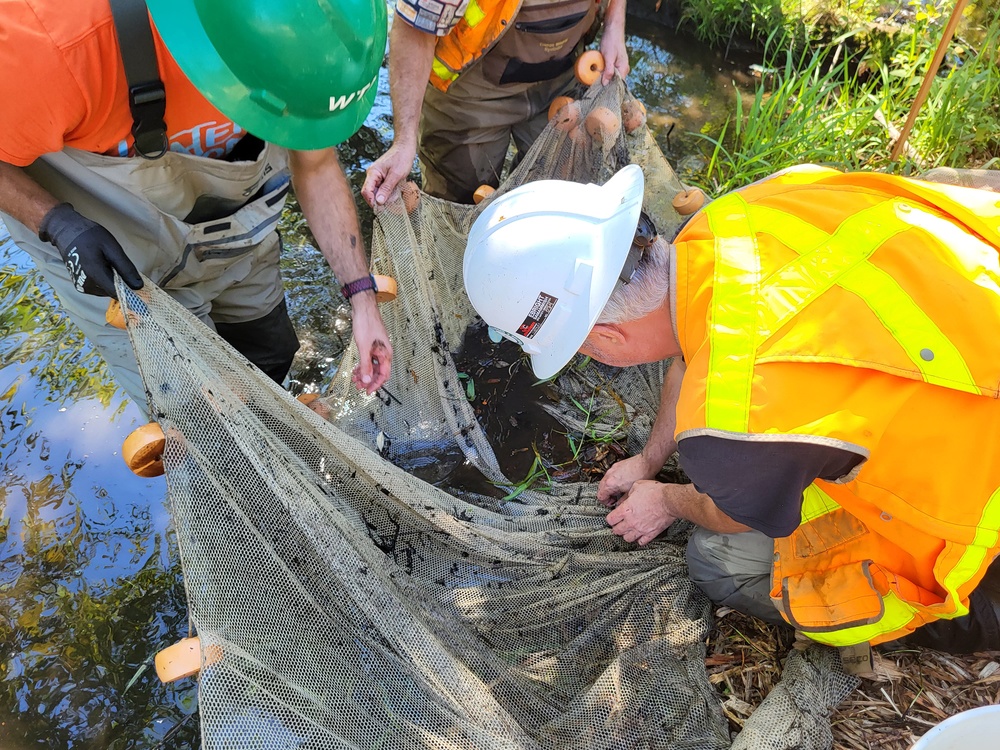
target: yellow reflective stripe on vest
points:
(733, 345)
(895, 618)
(972, 251)
(912, 328)
(442, 71)
(474, 14)
(816, 503)
(974, 557)
(839, 260)
(740, 322)
(897, 613)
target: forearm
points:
(684, 501)
(328, 205)
(614, 17)
(23, 198)
(411, 54)
(661, 444)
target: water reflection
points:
(90, 583)
(88, 569)
(687, 88)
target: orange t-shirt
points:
(63, 84)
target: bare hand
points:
(374, 350)
(643, 513)
(620, 478)
(615, 54)
(384, 175)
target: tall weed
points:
(806, 110)
(718, 22)
(817, 107)
(959, 124)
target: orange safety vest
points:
(486, 22)
(860, 311)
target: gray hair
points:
(645, 292)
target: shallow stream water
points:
(90, 581)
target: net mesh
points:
(981, 179)
(348, 592)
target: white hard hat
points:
(542, 260)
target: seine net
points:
(349, 593)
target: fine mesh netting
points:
(982, 179)
(343, 601)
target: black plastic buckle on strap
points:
(148, 103)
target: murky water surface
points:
(90, 582)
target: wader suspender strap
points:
(146, 98)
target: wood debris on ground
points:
(913, 690)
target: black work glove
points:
(89, 251)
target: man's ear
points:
(604, 335)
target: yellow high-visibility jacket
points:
(860, 311)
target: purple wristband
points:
(358, 285)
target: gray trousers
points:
(734, 570)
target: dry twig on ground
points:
(914, 690)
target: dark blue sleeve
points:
(760, 482)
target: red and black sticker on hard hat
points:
(537, 315)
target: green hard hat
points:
(299, 73)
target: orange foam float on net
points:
(589, 67)
(143, 450)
